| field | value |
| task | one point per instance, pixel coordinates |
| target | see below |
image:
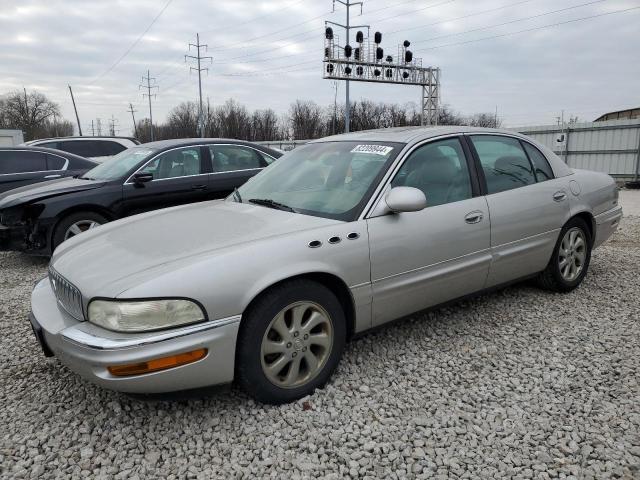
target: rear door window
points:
(91, 148)
(540, 163)
(22, 161)
(227, 158)
(54, 162)
(504, 162)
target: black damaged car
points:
(37, 218)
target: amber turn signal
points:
(157, 364)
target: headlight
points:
(144, 315)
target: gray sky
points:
(268, 53)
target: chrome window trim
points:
(64, 168)
(239, 145)
(84, 339)
(393, 169)
(129, 182)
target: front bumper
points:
(13, 238)
(88, 349)
(606, 224)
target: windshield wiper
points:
(236, 195)
(267, 202)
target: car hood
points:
(115, 257)
(42, 190)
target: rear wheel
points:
(75, 224)
(290, 342)
(570, 260)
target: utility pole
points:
(75, 109)
(99, 127)
(112, 126)
(335, 106)
(148, 87)
(135, 127)
(93, 131)
(199, 58)
(348, 4)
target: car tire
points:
(570, 260)
(80, 220)
(298, 318)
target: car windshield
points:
(118, 165)
(327, 179)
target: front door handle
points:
(199, 187)
(559, 196)
(474, 217)
(52, 176)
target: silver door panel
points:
(409, 292)
(521, 258)
(524, 227)
(424, 258)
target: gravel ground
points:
(515, 384)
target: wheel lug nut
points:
(295, 334)
(304, 349)
(289, 345)
(294, 354)
(306, 336)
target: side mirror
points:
(405, 199)
(141, 177)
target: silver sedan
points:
(339, 236)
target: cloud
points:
(268, 53)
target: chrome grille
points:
(68, 295)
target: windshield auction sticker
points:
(375, 149)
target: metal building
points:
(611, 147)
(10, 138)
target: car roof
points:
(176, 142)
(84, 137)
(53, 151)
(410, 134)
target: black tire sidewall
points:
(63, 225)
(555, 267)
(254, 324)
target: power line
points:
(531, 29)
(510, 21)
(133, 45)
(236, 25)
(511, 5)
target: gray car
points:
(339, 236)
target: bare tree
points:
(306, 120)
(182, 121)
(27, 112)
(265, 125)
(488, 120)
(233, 120)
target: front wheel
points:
(570, 260)
(290, 342)
(75, 224)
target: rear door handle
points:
(198, 187)
(559, 196)
(52, 176)
(474, 217)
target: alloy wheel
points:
(296, 344)
(79, 227)
(572, 254)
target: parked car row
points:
(339, 236)
(38, 218)
(94, 148)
